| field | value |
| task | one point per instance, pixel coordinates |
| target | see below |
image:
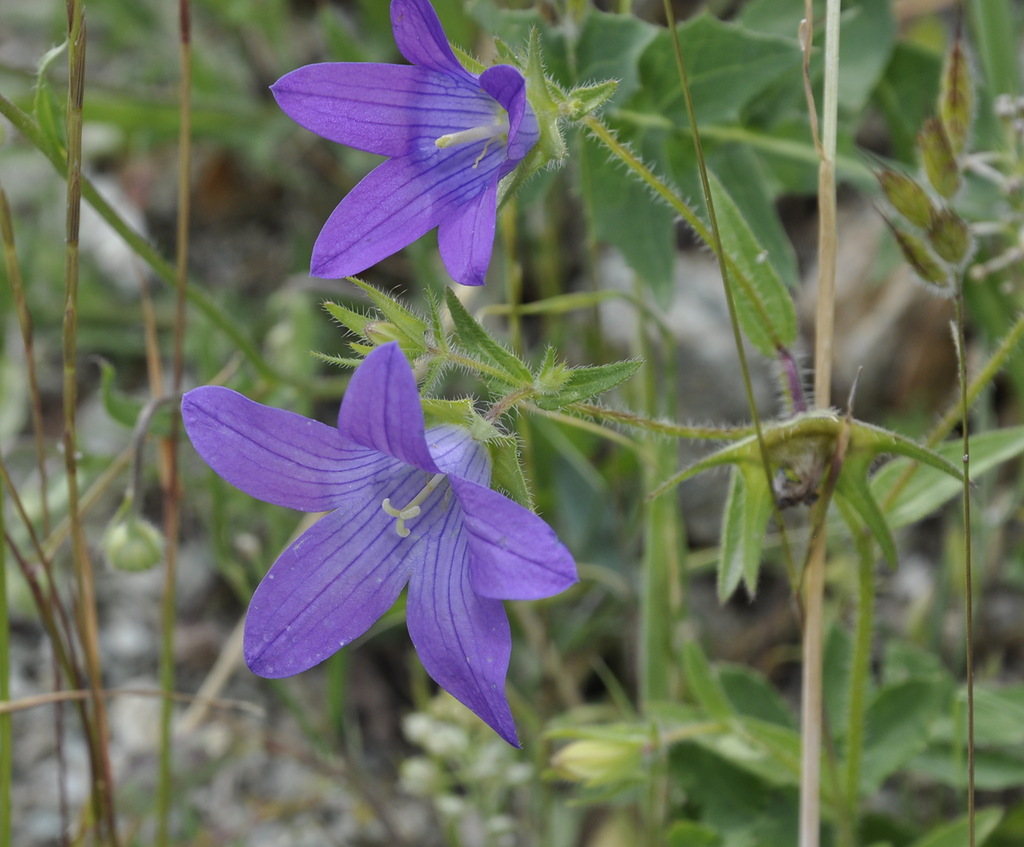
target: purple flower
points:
(451, 136)
(406, 506)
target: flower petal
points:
(514, 554)
(330, 585)
(466, 239)
(383, 109)
(396, 203)
(277, 456)
(457, 453)
(508, 86)
(420, 37)
(381, 408)
(462, 639)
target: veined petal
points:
(462, 639)
(514, 554)
(330, 585)
(383, 109)
(381, 408)
(420, 37)
(277, 456)
(457, 453)
(466, 238)
(396, 203)
(508, 86)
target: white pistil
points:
(486, 132)
(412, 509)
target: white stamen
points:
(412, 509)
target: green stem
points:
(146, 251)
(88, 625)
(961, 350)
(25, 322)
(860, 669)
(172, 492)
(6, 735)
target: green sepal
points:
(437, 411)
(853, 486)
(551, 146)
(747, 509)
(587, 99)
(410, 330)
(354, 322)
(507, 471)
(804, 445)
(578, 384)
(479, 343)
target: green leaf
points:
(609, 47)
(585, 382)
(478, 342)
(727, 67)
(623, 212)
(929, 487)
(747, 509)
(754, 696)
(898, 723)
(854, 487)
(763, 303)
(955, 834)
(704, 685)
(691, 834)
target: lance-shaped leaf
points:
(763, 303)
(582, 383)
(747, 509)
(478, 342)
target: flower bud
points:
(956, 97)
(599, 761)
(906, 197)
(132, 543)
(938, 158)
(920, 258)
(949, 236)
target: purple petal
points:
(466, 239)
(457, 453)
(396, 203)
(277, 456)
(508, 86)
(381, 408)
(332, 583)
(383, 109)
(514, 554)
(462, 639)
(421, 39)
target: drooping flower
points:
(451, 137)
(406, 506)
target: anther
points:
(412, 510)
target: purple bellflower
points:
(450, 136)
(406, 506)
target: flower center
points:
(485, 132)
(412, 509)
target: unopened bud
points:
(920, 258)
(938, 158)
(382, 332)
(599, 762)
(956, 98)
(132, 543)
(949, 236)
(907, 197)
